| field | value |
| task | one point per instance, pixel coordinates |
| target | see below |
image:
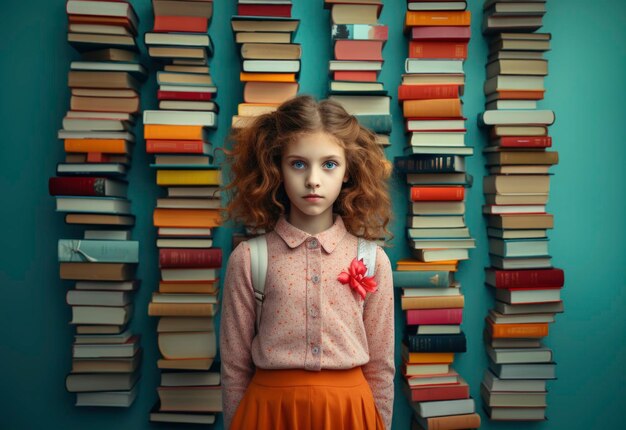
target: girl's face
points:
(313, 169)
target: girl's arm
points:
(236, 331)
(379, 328)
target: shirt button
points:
(315, 279)
(313, 244)
(315, 350)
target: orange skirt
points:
(297, 399)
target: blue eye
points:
(330, 165)
(298, 164)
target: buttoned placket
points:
(313, 360)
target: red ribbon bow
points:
(356, 279)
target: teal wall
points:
(586, 89)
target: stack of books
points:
(525, 285)
(433, 303)
(270, 61)
(358, 40)
(187, 215)
(90, 188)
(434, 160)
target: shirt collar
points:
(294, 237)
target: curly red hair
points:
(257, 195)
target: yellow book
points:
(176, 132)
(188, 177)
(267, 77)
(426, 357)
(254, 109)
(414, 265)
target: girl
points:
(322, 356)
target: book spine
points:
(192, 24)
(535, 278)
(460, 33)
(421, 279)
(419, 194)
(466, 421)
(437, 302)
(81, 186)
(434, 316)
(524, 142)
(181, 309)
(445, 392)
(526, 330)
(437, 18)
(441, 108)
(183, 95)
(443, 50)
(270, 10)
(359, 32)
(160, 146)
(96, 271)
(430, 164)
(354, 76)
(98, 251)
(416, 92)
(437, 343)
(175, 257)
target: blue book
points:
(518, 247)
(421, 278)
(98, 251)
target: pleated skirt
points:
(297, 399)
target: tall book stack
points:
(434, 164)
(358, 40)
(270, 61)
(90, 188)
(187, 215)
(525, 285)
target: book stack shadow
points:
(187, 215)
(526, 287)
(270, 60)
(358, 40)
(434, 165)
(91, 190)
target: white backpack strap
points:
(366, 251)
(258, 272)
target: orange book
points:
(432, 108)
(110, 146)
(188, 287)
(426, 357)
(447, 50)
(181, 309)
(174, 132)
(207, 218)
(519, 95)
(359, 50)
(435, 194)
(437, 18)
(192, 24)
(526, 330)
(432, 302)
(409, 264)
(96, 157)
(267, 77)
(101, 20)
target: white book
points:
(445, 407)
(173, 117)
(271, 66)
(418, 65)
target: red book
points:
(96, 157)
(428, 91)
(450, 50)
(188, 24)
(443, 33)
(354, 76)
(529, 278)
(280, 10)
(163, 146)
(436, 194)
(82, 186)
(429, 393)
(359, 50)
(190, 257)
(183, 95)
(523, 142)
(434, 316)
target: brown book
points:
(269, 92)
(106, 365)
(203, 9)
(114, 80)
(516, 199)
(97, 271)
(105, 104)
(516, 184)
(191, 399)
(355, 13)
(99, 219)
(449, 422)
(522, 157)
(99, 329)
(110, 54)
(271, 51)
(262, 37)
(432, 302)
(521, 221)
(188, 364)
(181, 309)
(200, 287)
(185, 324)
(517, 67)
